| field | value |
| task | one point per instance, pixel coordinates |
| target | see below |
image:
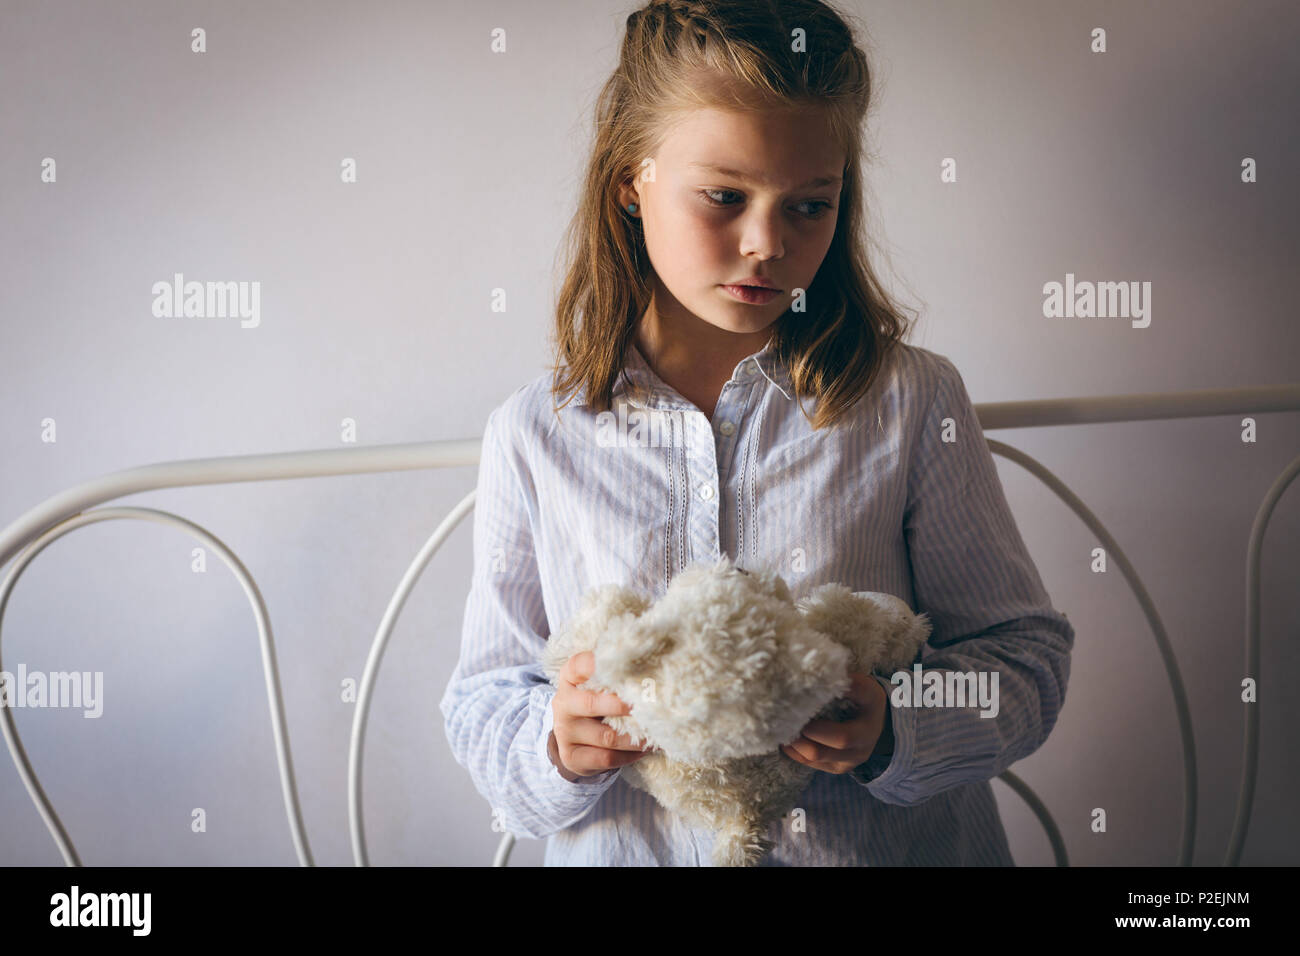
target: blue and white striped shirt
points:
(895, 504)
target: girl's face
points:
(736, 195)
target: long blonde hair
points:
(835, 350)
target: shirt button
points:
(726, 428)
(706, 492)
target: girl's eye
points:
(706, 193)
(816, 213)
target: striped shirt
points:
(906, 501)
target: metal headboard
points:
(40, 526)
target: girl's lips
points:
(753, 295)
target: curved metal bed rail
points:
(66, 511)
(34, 787)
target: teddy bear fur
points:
(720, 672)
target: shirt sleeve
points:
(497, 704)
(989, 612)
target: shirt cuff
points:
(880, 773)
(556, 782)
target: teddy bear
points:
(720, 672)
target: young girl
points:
(736, 381)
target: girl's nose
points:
(762, 236)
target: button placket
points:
(729, 427)
(703, 470)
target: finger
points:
(600, 759)
(579, 667)
(803, 750)
(589, 732)
(588, 702)
(582, 702)
(835, 735)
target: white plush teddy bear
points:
(723, 670)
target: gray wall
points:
(375, 306)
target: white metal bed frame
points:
(40, 526)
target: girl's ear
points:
(627, 190)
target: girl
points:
(717, 285)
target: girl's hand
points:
(840, 747)
(581, 744)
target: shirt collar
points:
(763, 364)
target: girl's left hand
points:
(840, 747)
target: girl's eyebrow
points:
(749, 177)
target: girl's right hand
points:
(581, 745)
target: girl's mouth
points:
(753, 295)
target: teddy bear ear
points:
(916, 634)
(631, 648)
(765, 578)
(906, 630)
(647, 659)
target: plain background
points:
(376, 306)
